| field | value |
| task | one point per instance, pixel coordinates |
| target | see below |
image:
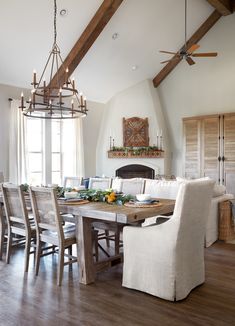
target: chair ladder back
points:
(71, 182)
(100, 183)
(15, 206)
(46, 211)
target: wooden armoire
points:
(209, 148)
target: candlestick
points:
(160, 145)
(110, 142)
(113, 143)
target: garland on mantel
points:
(135, 150)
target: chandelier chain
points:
(55, 14)
(185, 24)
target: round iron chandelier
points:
(54, 99)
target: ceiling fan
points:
(185, 53)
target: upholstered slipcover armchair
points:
(167, 260)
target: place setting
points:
(143, 201)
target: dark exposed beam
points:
(196, 37)
(88, 37)
(224, 7)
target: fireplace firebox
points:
(135, 171)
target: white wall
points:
(205, 88)
(142, 101)
(91, 128)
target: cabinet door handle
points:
(219, 158)
(223, 158)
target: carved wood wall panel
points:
(135, 132)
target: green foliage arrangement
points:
(96, 195)
(109, 196)
(25, 187)
(135, 150)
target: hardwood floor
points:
(29, 300)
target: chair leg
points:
(27, 253)
(9, 245)
(38, 254)
(117, 242)
(70, 252)
(60, 266)
(95, 243)
(107, 238)
(2, 232)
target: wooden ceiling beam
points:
(224, 7)
(87, 39)
(195, 38)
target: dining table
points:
(84, 215)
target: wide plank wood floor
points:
(29, 300)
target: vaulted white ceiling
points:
(144, 27)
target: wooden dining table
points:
(84, 215)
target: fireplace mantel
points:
(153, 153)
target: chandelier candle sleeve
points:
(22, 100)
(34, 77)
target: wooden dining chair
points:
(71, 182)
(100, 183)
(131, 186)
(51, 229)
(18, 222)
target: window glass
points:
(35, 162)
(50, 150)
(56, 178)
(56, 162)
(55, 136)
(35, 178)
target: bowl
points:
(70, 194)
(143, 197)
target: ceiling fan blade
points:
(166, 61)
(172, 59)
(208, 54)
(190, 61)
(168, 52)
(193, 48)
